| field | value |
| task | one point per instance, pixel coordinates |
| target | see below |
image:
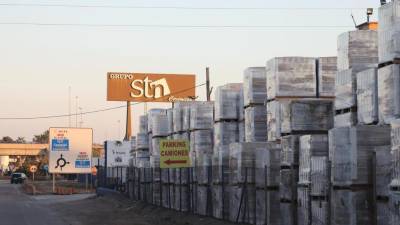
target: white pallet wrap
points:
(319, 176)
(242, 131)
(316, 115)
(288, 213)
(170, 116)
(220, 164)
(395, 153)
(351, 207)
(357, 50)
(133, 145)
(255, 124)
(160, 125)
(167, 195)
(327, 68)
(204, 168)
(177, 114)
(186, 116)
(151, 114)
(181, 198)
(310, 145)
(267, 165)
(242, 161)
(319, 212)
(291, 76)
(155, 143)
(290, 150)
(394, 209)
(273, 120)
(142, 141)
(155, 162)
(350, 151)
(202, 141)
(367, 96)
(303, 206)
(383, 170)
(220, 199)
(228, 102)
(389, 93)
(389, 31)
(383, 212)
(288, 184)
(345, 89)
(225, 133)
(267, 210)
(203, 200)
(244, 213)
(202, 116)
(345, 119)
(143, 124)
(254, 88)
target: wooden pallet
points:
(394, 61)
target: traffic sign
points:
(174, 154)
(33, 169)
(70, 150)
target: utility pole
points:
(81, 122)
(128, 130)
(69, 106)
(208, 90)
(76, 111)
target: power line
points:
(176, 26)
(93, 111)
(175, 7)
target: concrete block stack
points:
(367, 97)
(313, 177)
(267, 178)
(357, 51)
(383, 178)
(255, 94)
(394, 186)
(227, 122)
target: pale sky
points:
(39, 63)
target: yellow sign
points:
(174, 154)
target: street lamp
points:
(370, 11)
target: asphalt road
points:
(17, 208)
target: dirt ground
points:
(117, 210)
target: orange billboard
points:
(150, 87)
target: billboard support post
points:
(128, 131)
(54, 183)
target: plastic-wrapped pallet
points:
(202, 141)
(225, 133)
(291, 76)
(186, 117)
(203, 168)
(203, 202)
(394, 202)
(345, 89)
(220, 201)
(310, 145)
(303, 206)
(159, 125)
(242, 161)
(255, 124)
(290, 150)
(151, 114)
(167, 196)
(327, 67)
(181, 200)
(155, 142)
(350, 207)
(350, 151)
(177, 114)
(181, 136)
(383, 212)
(316, 115)
(220, 164)
(388, 31)
(143, 124)
(288, 184)
(319, 176)
(254, 87)
(383, 170)
(267, 210)
(395, 153)
(242, 131)
(142, 141)
(202, 116)
(273, 120)
(319, 212)
(357, 50)
(245, 213)
(228, 103)
(288, 213)
(133, 144)
(170, 116)
(267, 165)
(367, 96)
(345, 119)
(389, 93)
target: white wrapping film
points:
(254, 88)
(395, 153)
(142, 141)
(319, 176)
(389, 93)
(327, 67)
(143, 124)
(170, 115)
(267, 165)
(229, 102)
(225, 133)
(160, 125)
(202, 116)
(367, 96)
(351, 208)
(151, 114)
(273, 120)
(389, 31)
(290, 150)
(345, 89)
(255, 123)
(345, 119)
(291, 76)
(383, 171)
(357, 50)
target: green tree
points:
(41, 138)
(20, 140)
(6, 139)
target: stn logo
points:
(150, 89)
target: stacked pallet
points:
(357, 51)
(255, 94)
(394, 192)
(227, 125)
(351, 151)
(267, 177)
